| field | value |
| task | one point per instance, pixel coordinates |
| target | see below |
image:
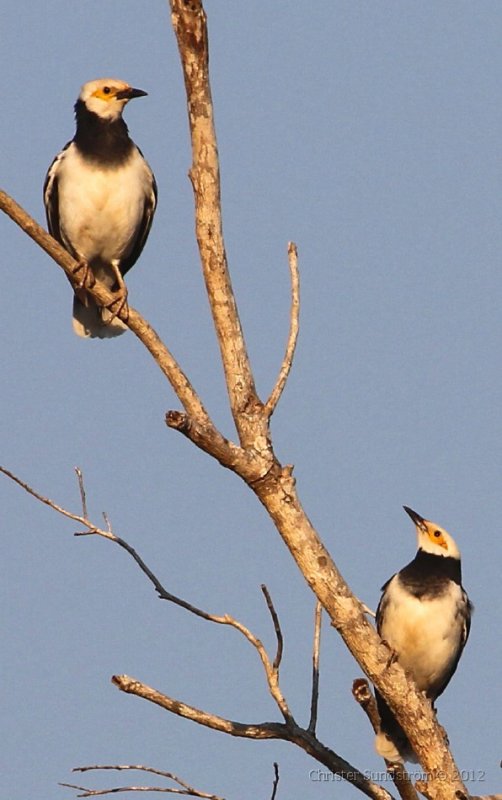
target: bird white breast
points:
(100, 209)
(424, 633)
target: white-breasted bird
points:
(424, 615)
(100, 197)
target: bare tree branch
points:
(368, 610)
(315, 668)
(264, 730)
(226, 452)
(364, 696)
(40, 236)
(80, 479)
(366, 699)
(294, 327)
(276, 781)
(277, 627)
(139, 767)
(185, 790)
(189, 23)
(45, 500)
(86, 792)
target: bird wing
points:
(464, 611)
(51, 196)
(144, 226)
(382, 605)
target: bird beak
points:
(419, 521)
(129, 93)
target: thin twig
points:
(294, 327)
(315, 668)
(186, 789)
(81, 487)
(107, 522)
(138, 767)
(368, 610)
(276, 780)
(277, 627)
(86, 792)
(45, 500)
(225, 619)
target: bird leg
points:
(392, 654)
(84, 279)
(116, 306)
(87, 279)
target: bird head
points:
(432, 538)
(107, 97)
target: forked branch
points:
(289, 730)
(261, 731)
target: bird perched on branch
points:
(424, 615)
(100, 197)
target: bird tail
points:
(391, 741)
(92, 321)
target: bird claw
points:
(392, 659)
(87, 280)
(117, 305)
(121, 300)
(392, 654)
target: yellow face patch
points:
(436, 536)
(105, 92)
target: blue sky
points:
(369, 133)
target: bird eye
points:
(437, 534)
(106, 90)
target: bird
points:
(100, 196)
(424, 615)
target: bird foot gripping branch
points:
(84, 276)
